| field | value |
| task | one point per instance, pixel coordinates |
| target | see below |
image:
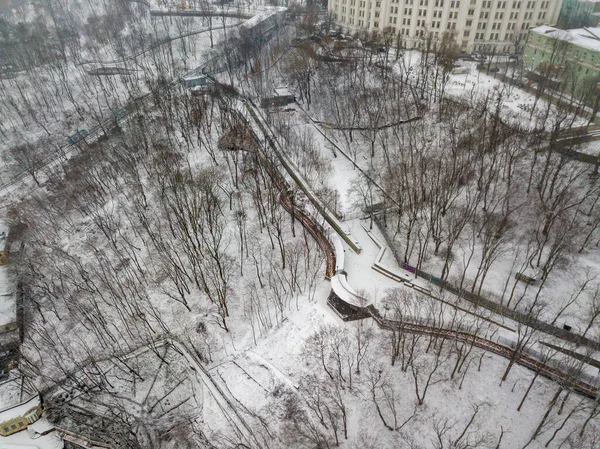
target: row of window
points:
(454, 15)
(456, 4)
(436, 25)
(570, 63)
(492, 36)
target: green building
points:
(564, 59)
(579, 14)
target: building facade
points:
(579, 14)
(487, 26)
(17, 417)
(564, 56)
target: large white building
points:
(478, 25)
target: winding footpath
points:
(347, 311)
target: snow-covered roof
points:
(194, 77)
(260, 17)
(17, 410)
(581, 37)
(282, 92)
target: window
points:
(466, 33)
(471, 12)
(469, 22)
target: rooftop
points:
(582, 37)
(282, 92)
(17, 410)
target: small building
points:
(15, 418)
(281, 96)
(194, 81)
(77, 136)
(579, 14)
(565, 59)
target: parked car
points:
(494, 69)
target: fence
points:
(478, 300)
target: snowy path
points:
(271, 137)
(230, 411)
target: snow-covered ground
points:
(257, 375)
(152, 236)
